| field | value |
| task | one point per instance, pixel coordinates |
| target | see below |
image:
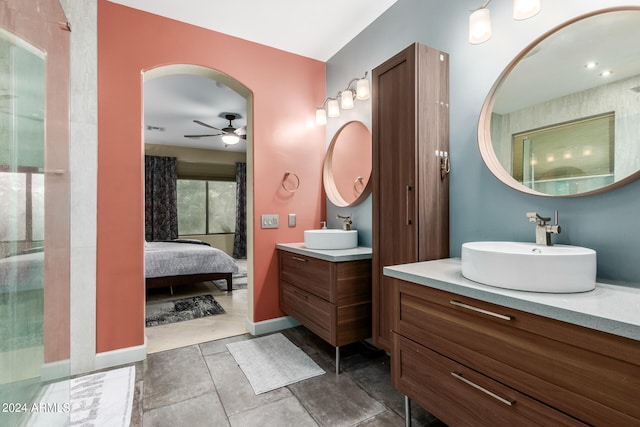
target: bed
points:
(24, 272)
(181, 262)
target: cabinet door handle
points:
(407, 197)
(482, 389)
(299, 259)
(480, 310)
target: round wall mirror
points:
(347, 165)
(563, 119)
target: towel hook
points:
(295, 186)
(355, 185)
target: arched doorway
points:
(208, 113)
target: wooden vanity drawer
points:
(316, 314)
(461, 396)
(311, 274)
(589, 374)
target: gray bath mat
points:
(272, 362)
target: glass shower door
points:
(34, 242)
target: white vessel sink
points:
(330, 239)
(530, 267)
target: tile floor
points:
(201, 385)
(181, 334)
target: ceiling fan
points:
(230, 134)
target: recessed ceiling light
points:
(590, 65)
(606, 73)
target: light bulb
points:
(230, 139)
(479, 26)
(333, 109)
(362, 89)
(321, 117)
(525, 9)
(347, 99)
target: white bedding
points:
(22, 272)
(163, 259)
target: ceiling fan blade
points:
(241, 131)
(205, 125)
(201, 136)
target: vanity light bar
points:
(331, 108)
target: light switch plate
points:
(269, 220)
(292, 220)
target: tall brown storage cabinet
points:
(410, 102)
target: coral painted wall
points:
(285, 138)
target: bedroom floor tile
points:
(206, 329)
(202, 385)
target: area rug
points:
(239, 281)
(165, 312)
(272, 362)
(102, 399)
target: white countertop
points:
(609, 308)
(333, 255)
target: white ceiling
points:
(172, 103)
(314, 29)
(556, 67)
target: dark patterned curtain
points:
(160, 198)
(240, 239)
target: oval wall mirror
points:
(347, 165)
(563, 119)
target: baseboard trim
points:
(122, 356)
(271, 325)
(55, 370)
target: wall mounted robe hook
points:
(296, 182)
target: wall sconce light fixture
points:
(480, 19)
(330, 107)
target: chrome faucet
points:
(346, 222)
(544, 230)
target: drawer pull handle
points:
(482, 389)
(480, 310)
(299, 259)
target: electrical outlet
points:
(292, 220)
(269, 220)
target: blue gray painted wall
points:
(482, 208)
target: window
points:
(571, 157)
(206, 207)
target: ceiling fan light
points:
(321, 117)
(362, 89)
(230, 139)
(347, 99)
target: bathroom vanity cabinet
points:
(470, 362)
(332, 299)
(410, 136)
